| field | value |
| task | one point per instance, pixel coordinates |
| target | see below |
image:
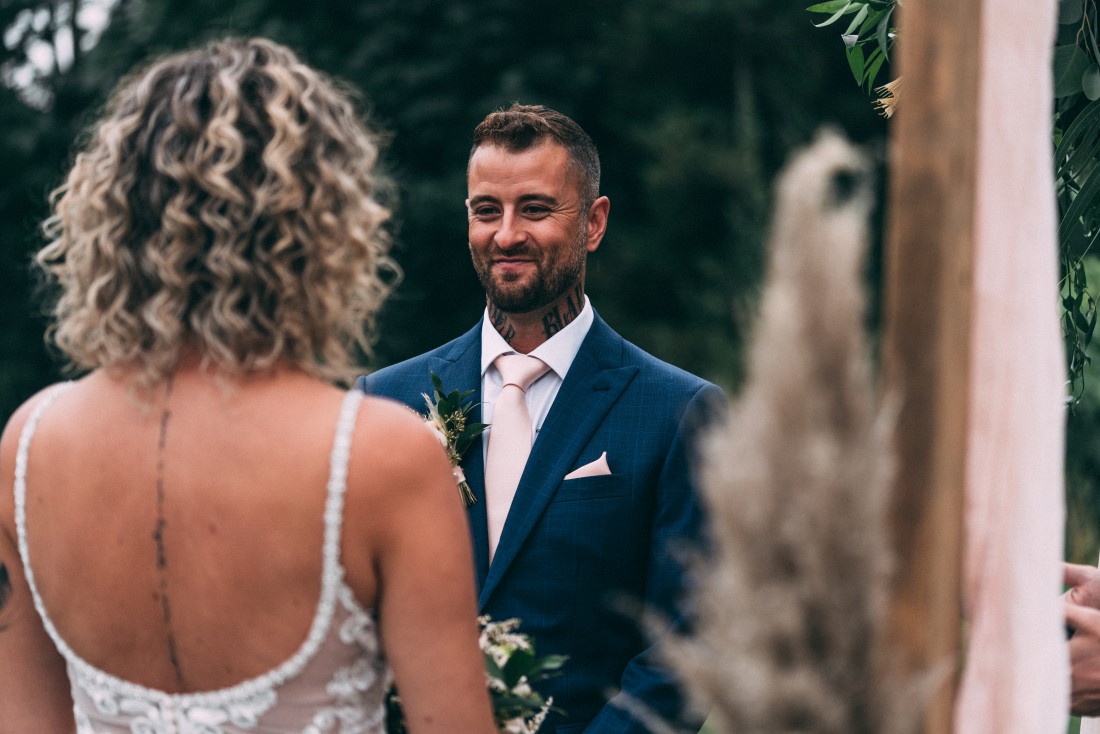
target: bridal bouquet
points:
(512, 671)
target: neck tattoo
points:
(562, 313)
(158, 538)
(500, 322)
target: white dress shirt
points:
(558, 352)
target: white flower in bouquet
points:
(512, 672)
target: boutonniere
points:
(447, 416)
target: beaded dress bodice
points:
(335, 682)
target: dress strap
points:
(20, 491)
(337, 487)
(332, 571)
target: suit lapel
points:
(460, 369)
(594, 382)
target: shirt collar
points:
(558, 351)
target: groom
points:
(584, 497)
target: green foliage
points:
(1070, 64)
(694, 106)
(869, 28)
(1077, 175)
(1076, 70)
(1078, 322)
(1083, 451)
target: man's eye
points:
(485, 211)
(536, 210)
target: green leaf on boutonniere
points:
(469, 433)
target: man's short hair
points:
(522, 127)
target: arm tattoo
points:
(5, 585)
(158, 538)
(5, 591)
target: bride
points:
(203, 535)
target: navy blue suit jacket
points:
(578, 558)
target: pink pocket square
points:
(595, 468)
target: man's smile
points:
(508, 264)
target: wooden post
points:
(972, 350)
(931, 217)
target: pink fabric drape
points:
(1016, 676)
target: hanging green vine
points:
(868, 41)
(1077, 173)
(869, 36)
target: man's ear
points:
(596, 224)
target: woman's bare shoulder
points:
(19, 418)
(396, 458)
(396, 438)
(9, 444)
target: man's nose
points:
(510, 233)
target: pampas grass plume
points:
(791, 599)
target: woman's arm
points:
(424, 569)
(34, 688)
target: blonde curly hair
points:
(226, 204)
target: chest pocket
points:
(587, 489)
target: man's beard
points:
(545, 288)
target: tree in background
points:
(694, 106)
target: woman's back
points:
(152, 529)
(226, 586)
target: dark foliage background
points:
(694, 106)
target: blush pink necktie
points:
(509, 438)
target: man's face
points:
(528, 235)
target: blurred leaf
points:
(1070, 63)
(1070, 11)
(872, 20)
(856, 62)
(882, 33)
(545, 667)
(1090, 83)
(831, 6)
(492, 668)
(1085, 198)
(875, 63)
(849, 7)
(516, 667)
(1084, 128)
(861, 15)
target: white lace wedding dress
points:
(335, 682)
